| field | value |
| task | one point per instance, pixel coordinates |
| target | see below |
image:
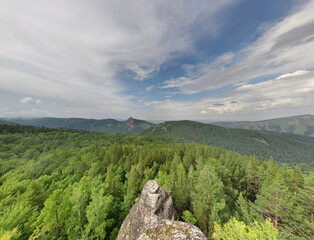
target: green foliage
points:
(208, 199)
(243, 210)
(19, 215)
(97, 214)
(187, 216)
(8, 235)
(132, 188)
(34, 194)
(51, 220)
(239, 230)
(66, 184)
(181, 192)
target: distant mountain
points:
(302, 125)
(282, 147)
(130, 126)
(5, 122)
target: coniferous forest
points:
(72, 184)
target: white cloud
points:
(149, 88)
(178, 82)
(285, 46)
(222, 60)
(249, 101)
(30, 100)
(296, 73)
(152, 103)
(73, 51)
(142, 72)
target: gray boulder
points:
(151, 218)
(153, 205)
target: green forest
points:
(75, 184)
(283, 147)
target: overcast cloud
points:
(100, 59)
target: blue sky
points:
(207, 60)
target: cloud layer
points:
(72, 51)
(106, 59)
(284, 47)
(250, 101)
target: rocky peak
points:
(151, 218)
(130, 122)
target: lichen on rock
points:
(174, 230)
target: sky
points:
(205, 60)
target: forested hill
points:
(303, 125)
(74, 184)
(130, 126)
(282, 147)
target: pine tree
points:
(249, 181)
(173, 169)
(208, 199)
(52, 218)
(113, 181)
(132, 188)
(181, 192)
(271, 170)
(275, 202)
(260, 178)
(296, 181)
(80, 197)
(188, 159)
(97, 215)
(301, 221)
(34, 194)
(190, 183)
(243, 209)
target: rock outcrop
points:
(151, 218)
(174, 230)
(153, 205)
(130, 122)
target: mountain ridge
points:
(5, 122)
(283, 147)
(301, 124)
(129, 126)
